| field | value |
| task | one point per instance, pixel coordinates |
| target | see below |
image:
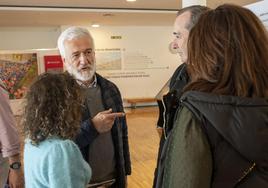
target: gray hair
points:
(72, 33)
(196, 11)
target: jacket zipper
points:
(246, 173)
(164, 118)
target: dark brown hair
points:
(53, 108)
(196, 11)
(228, 53)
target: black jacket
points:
(167, 109)
(111, 98)
(237, 131)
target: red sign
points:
(53, 63)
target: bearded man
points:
(103, 139)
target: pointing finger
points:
(114, 115)
(106, 111)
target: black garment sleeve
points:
(123, 123)
(87, 134)
(179, 75)
(126, 146)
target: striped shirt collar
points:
(88, 85)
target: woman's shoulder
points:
(60, 144)
(52, 144)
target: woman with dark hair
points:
(52, 120)
(220, 134)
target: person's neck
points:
(86, 83)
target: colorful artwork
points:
(18, 71)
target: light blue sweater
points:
(55, 163)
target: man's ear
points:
(63, 60)
(64, 63)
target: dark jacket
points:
(167, 109)
(111, 98)
(179, 78)
(168, 104)
(217, 141)
(237, 130)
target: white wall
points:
(22, 38)
(261, 10)
(151, 42)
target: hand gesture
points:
(104, 120)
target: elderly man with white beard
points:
(103, 139)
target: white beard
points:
(81, 75)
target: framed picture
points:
(17, 71)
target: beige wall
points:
(22, 38)
(149, 42)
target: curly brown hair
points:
(53, 108)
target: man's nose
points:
(174, 44)
(83, 58)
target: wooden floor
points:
(143, 141)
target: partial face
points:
(80, 58)
(181, 34)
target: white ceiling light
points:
(95, 25)
(131, 0)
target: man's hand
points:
(104, 120)
(15, 179)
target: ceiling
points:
(16, 13)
